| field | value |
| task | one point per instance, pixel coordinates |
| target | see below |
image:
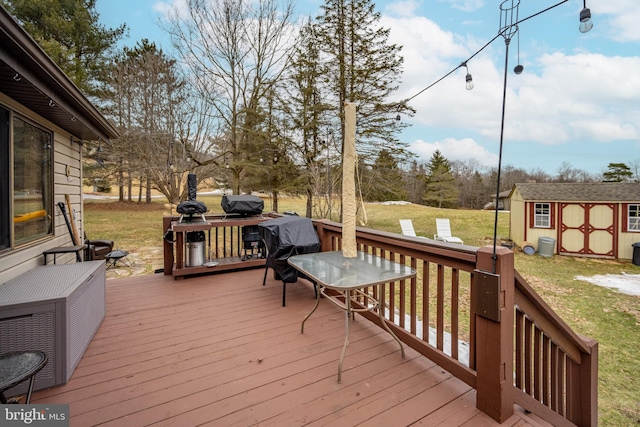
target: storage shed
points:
(599, 219)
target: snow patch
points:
(626, 283)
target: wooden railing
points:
(469, 311)
(556, 370)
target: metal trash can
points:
(195, 248)
(546, 246)
(636, 253)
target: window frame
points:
(537, 216)
(8, 240)
(6, 222)
(636, 217)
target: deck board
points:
(221, 350)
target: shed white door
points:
(588, 229)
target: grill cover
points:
(191, 206)
(242, 205)
(287, 236)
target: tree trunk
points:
(309, 213)
(148, 195)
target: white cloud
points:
(559, 98)
(454, 149)
(169, 8)
(617, 18)
(465, 5)
(406, 8)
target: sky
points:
(577, 101)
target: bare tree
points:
(160, 121)
(634, 165)
(236, 50)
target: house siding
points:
(65, 153)
(517, 219)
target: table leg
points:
(314, 307)
(348, 317)
(383, 320)
(30, 390)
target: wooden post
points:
(582, 403)
(494, 339)
(349, 246)
(325, 239)
(167, 245)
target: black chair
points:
(284, 237)
(97, 249)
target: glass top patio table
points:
(349, 276)
(334, 271)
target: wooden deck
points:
(221, 350)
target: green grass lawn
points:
(612, 318)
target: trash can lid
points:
(636, 244)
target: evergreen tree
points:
(70, 32)
(441, 190)
(386, 180)
(415, 182)
(617, 172)
(306, 111)
(363, 68)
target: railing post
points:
(582, 404)
(494, 334)
(325, 239)
(167, 246)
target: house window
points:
(32, 201)
(633, 217)
(5, 207)
(542, 215)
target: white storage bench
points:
(56, 309)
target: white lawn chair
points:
(443, 228)
(407, 228)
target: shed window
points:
(633, 217)
(542, 215)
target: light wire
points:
(481, 49)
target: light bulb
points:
(518, 69)
(585, 20)
(469, 80)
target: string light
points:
(585, 25)
(468, 79)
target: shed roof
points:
(29, 75)
(580, 192)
